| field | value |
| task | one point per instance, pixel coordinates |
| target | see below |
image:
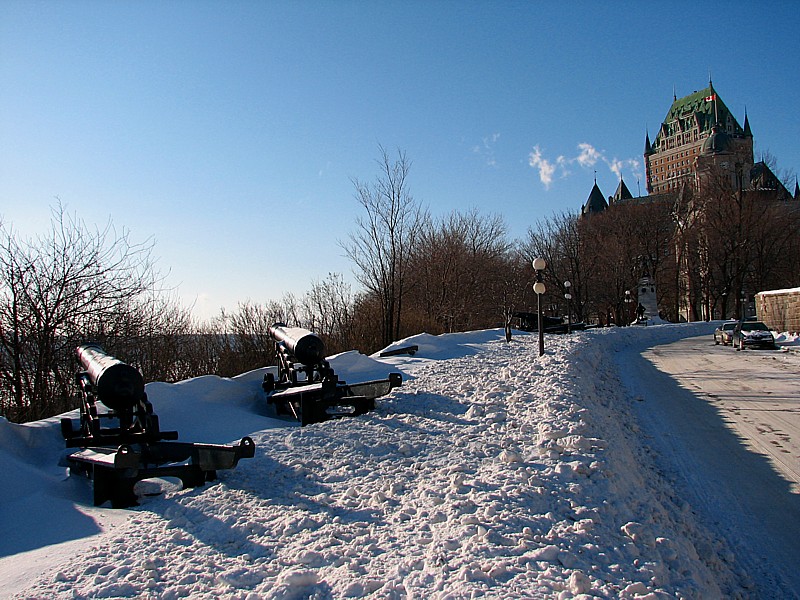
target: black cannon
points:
(308, 388)
(132, 447)
(306, 347)
(120, 388)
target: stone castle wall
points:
(779, 309)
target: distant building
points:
(697, 127)
(699, 136)
(700, 147)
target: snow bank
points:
(787, 340)
(492, 471)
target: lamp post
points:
(538, 265)
(628, 302)
(568, 298)
(744, 306)
(724, 311)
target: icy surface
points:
(491, 471)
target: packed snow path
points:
(492, 471)
(727, 426)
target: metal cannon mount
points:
(308, 388)
(132, 447)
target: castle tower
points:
(696, 125)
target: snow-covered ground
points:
(491, 472)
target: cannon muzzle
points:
(117, 385)
(304, 345)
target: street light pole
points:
(568, 297)
(628, 301)
(539, 265)
(744, 306)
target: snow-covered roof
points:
(775, 292)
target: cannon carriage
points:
(118, 441)
(306, 386)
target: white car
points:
(724, 333)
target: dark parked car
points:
(750, 334)
(724, 333)
(529, 321)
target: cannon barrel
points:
(304, 345)
(117, 385)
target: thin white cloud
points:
(486, 148)
(546, 168)
(631, 164)
(588, 157)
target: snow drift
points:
(492, 471)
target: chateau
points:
(698, 137)
(700, 171)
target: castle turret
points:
(622, 193)
(596, 202)
(648, 151)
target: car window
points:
(757, 326)
(728, 326)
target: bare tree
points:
(384, 239)
(457, 269)
(563, 240)
(153, 334)
(67, 286)
(328, 311)
(250, 345)
(509, 285)
(746, 242)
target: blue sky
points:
(230, 132)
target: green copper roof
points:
(702, 109)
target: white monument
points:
(647, 309)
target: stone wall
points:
(779, 309)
